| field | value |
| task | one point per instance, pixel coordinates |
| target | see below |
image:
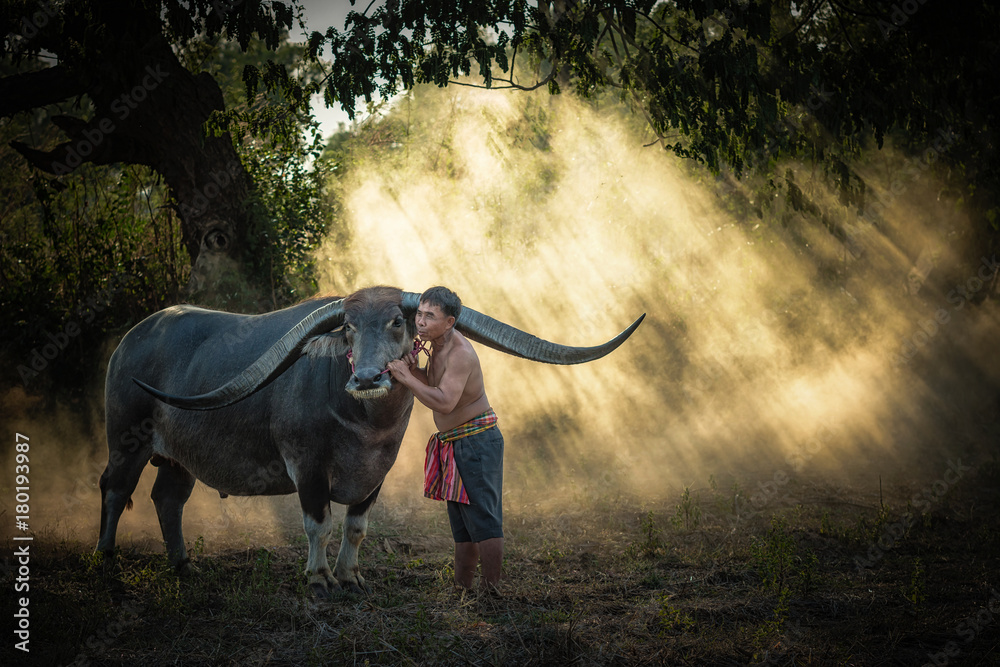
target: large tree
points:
(145, 107)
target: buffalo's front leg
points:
(314, 497)
(347, 571)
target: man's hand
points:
(400, 370)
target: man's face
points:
(431, 322)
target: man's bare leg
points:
(466, 559)
(491, 555)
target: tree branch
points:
(515, 86)
(89, 142)
(613, 28)
(21, 92)
(840, 22)
(47, 161)
(62, 159)
(805, 19)
(858, 12)
(71, 125)
(664, 31)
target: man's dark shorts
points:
(480, 463)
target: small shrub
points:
(157, 579)
(825, 524)
(768, 632)
(807, 572)
(650, 544)
(688, 514)
(916, 591)
(92, 561)
(673, 621)
(773, 555)
(198, 549)
(261, 575)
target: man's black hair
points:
(443, 298)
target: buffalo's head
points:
(376, 330)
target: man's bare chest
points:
(436, 367)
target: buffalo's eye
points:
(398, 322)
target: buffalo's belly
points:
(238, 466)
(249, 481)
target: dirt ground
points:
(812, 575)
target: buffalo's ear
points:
(332, 344)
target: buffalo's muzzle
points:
(368, 382)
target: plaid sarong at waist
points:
(441, 478)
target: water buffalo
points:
(285, 409)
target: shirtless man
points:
(468, 439)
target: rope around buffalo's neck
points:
(418, 347)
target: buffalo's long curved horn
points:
(505, 338)
(493, 333)
(268, 366)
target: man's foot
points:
(490, 589)
(462, 591)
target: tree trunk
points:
(149, 110)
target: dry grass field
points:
(817, 575)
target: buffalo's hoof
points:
(107, 563)
(358, 586)
(186, 568)
(322, 585)
(320, 592)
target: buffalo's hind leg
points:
(347, 570)
(171, 490)
(118, 482)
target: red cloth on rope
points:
(441, 478)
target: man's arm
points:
(413, 363)
(445, 396)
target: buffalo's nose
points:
(373, 379)
(365, 378)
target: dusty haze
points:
(769, 346)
